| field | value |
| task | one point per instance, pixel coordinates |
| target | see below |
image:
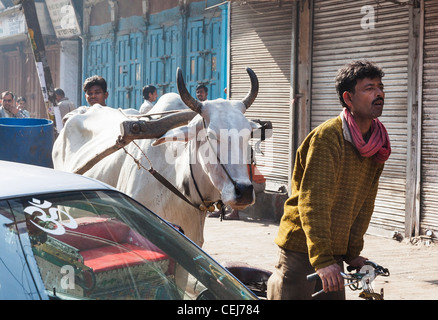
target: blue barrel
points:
(27, 140)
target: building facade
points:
(18, 72)
(137, 43)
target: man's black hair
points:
(201, 86)
(347, 76)
(95, 81)
(148, 90)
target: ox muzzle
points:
(244, 193)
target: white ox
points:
(218, 131)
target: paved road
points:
(413, 267)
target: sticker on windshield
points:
(49, 218)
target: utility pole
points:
(42, 66)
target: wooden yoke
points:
(140, 129)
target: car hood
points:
(21, 179)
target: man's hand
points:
(358, 262)
(331, 278)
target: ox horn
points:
(190, 102)
(252, 94)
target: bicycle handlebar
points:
(312, 277)
(356, 277)
(366, 262)
(379, 269)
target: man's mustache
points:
(379, 99)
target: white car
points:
(65, 236)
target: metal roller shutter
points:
(260, 36)
(338, 41)
(429, 154)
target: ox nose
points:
(244, 192)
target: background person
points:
(201, 92)
(334, 186)
(8, 108)
(22, 105)
(149, 96)
(95, 89)
(64, 104)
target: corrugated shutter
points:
(339, 36)
(260, 38)
(429, 154)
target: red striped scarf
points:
(378, 145)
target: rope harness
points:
(205, 205)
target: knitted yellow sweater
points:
(332, 199)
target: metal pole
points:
(39, 53)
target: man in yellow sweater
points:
(334, 186)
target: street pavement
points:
(412, 265)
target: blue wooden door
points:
(163, 56)
(204, 41)
(128, 71)
(135, 59)
(100, 62)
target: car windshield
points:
(104, 245)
